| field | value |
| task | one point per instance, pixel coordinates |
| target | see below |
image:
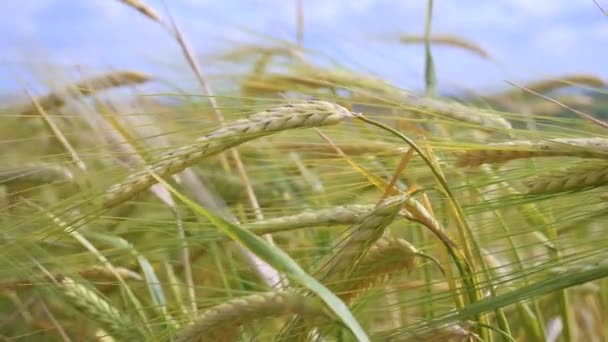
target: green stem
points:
(430, 77)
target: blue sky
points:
(530, 38)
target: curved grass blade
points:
(278, 259)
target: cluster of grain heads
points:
(83, 88)
(291, 116)
(447, 40)
(362, 236)
(385, 258)
(99, 310)
(579, 177)
(560, 147)
(480, 117)
(225, 319)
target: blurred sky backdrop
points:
(529, 38)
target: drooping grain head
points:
(292, 116)
(364, 235)
(225, 319)
(448, 40)
(385, 258)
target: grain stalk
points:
(267, 273)
(430, 75)
(58, 134)
(581, 114)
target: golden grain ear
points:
(344, 263)
(589, 175)
(595, 147)
(448, 40)
(385, 258)
(224, 320)
(87, 300)
(143, 8)
(292, 116)
(344, 214)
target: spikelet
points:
(385, 257)
(35, 173)
(100, 310)
(86, 87)
(291, 116)
(448, 40)
(363, 235)
(572, 179)
(579, 147)
(457, 111)
(225, 319)
(345, 214)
